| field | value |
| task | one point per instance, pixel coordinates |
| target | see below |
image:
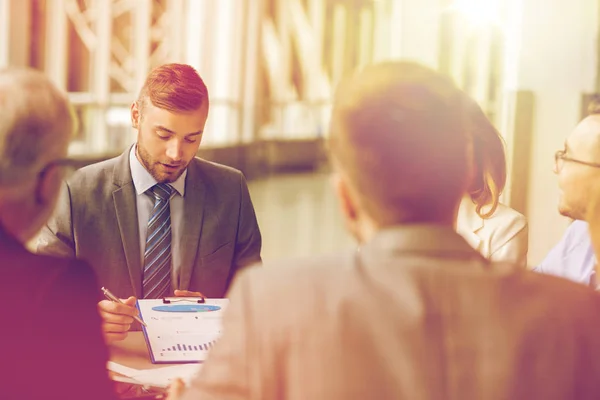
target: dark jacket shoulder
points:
(55, 327)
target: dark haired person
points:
(497, 231)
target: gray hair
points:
(34, 113)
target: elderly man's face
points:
(574, 177)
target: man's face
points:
(167, 141)
(575, 179)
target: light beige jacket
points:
(417, 314)
(501, 237)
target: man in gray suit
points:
(416, 313)
(156, 219)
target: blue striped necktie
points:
(157, 256)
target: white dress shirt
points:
(501, 237)
(573, 257)
(142, 181)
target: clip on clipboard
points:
(169, 300)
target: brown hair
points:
(174, 87)
(398, 134)
(489, 162)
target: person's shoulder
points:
(68, 279)
(290, 294)
(575, 237)
(505, 223)
(93, 174)
(215, 169)
(219, 178)
(577, 230)
(301, 275)
(40, 272)
(510, 216)
(56, 265)
(504, 218)
(558, 292)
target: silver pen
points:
(113, 298)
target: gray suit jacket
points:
(417, 314)
(96, 220)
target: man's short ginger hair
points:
(174, 87)
(399, 134)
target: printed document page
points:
(182, 330)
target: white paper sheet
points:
(157, 377)
(174, 337)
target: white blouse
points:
(501, 237)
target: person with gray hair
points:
(51, 336)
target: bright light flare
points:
(478, 12)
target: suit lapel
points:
(124, 199)
(193, 212)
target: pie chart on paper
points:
(191, 308)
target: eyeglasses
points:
(560, 157)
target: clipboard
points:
(181, 330)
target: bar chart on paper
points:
(189, 347)
(181, 332)
(183, 348)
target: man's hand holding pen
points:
(117, 318)
(118, 315)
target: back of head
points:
(36, 123)
(174, 87)
(489, 161)
(398, 135)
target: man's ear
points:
(344, 196)
(135, 115)
(48, 186)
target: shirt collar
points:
(142, 180)
(428, 238)
(468, 220)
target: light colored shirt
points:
(143, 181)
(417, 315)
(501, 237)
(573, 257)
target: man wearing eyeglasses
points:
(51, 337)
(577, 166)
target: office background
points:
(271, 67)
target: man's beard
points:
(152, 167)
